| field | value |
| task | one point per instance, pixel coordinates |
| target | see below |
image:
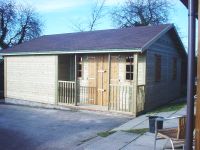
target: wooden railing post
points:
(75, 74)
(135, 84)
(56, 80)
(109, 81)
(5, 77)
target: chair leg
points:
(172, 144)
(155, 141)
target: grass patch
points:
(105, 134)
(138, 131)
(86, 140)
(169, 107)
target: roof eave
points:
(135, 50)
(181, 43)
(149, 43)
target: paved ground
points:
(123, 140)
(25, 128)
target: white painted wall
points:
(32, 78)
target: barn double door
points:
(98, 78)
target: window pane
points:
(79, 74)
(131, 76)
(79, 59)
(129, 59)
(129, 68)
(127, 76)
(79, 67)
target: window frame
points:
(129, 63)
(79, 63)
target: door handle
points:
(101, 90)
(101, 71)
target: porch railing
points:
(121, 98)
(66, 92)
(87, 95)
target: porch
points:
(92, 82)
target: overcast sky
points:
(59, 16)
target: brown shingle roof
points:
(127, 38)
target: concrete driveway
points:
(25, 128)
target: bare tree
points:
(17, 24)
(97, 13)
(141, 13)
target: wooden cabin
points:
(127, 70)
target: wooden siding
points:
(1, 78)
(1, 75)
(141, 86)
(167, 89)
(141, 70)
(32, 78)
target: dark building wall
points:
(66, 67)
(167, 89)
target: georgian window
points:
(129, 67)
(79, 67)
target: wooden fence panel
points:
(87, 95)
(121, 98)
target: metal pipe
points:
(190, 76)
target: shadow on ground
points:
(34, 128)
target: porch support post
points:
(135, 84)
(197, 127)
(109, 81)
(190, 76)
(5, 77)
(56, 79)
(75, 74)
